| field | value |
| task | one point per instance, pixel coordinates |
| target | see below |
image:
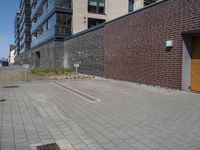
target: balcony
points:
(41, 19)
(46, 13)
(35, 9)
(67, 6)
(33, 2)
(54, 32)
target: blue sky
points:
(7, 15)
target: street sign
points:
(76, 65)
(26, 66)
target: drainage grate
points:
(10, 87)
(52, 146)
(83, 95)
(2, 100)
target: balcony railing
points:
(56, 31)
(63, 30)
(33, 11)
(41, 19)
(33, 1)
(55, 4)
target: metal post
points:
(25, 75)
(26, 66)
(76, 69)
(76, 72)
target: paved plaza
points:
(98, 114)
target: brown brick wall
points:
(135, 44)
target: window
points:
(96, 6)
(131, 5)
(63, 3)
(63, 24)
(93, 22)
(63, 19)
(148, 2)
(51, 22)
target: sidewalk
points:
(125, 117)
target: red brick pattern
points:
(135, 44)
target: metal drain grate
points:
(83, 95)
(52, 146)
(11, 86)
(2, 100)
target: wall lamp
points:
(169, 43)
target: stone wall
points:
(87, 49)
(131, 47)
(48, 55)
(135, 44)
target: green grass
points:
(50, 71)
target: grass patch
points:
(50, 71)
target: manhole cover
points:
(2, 100)
(52, 146)
(10, 87)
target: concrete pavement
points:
(98, 114)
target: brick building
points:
(54, 20)
(135, 45)
(156, 45)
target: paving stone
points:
(129, 116)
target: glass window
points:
(131, 5)
(63, 24)
(45, 6)
(148, 2)
(96, 6)
(93, 22)
(52, 22)
(63, 3)
(63, 19)
(50, 4)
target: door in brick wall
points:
(195, 64)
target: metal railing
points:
(61, 31)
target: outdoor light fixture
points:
(169, 43)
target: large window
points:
(93, 22)
(148, 2)
(63, 24)
(131, 5)
(51, 21)
(63, 3)
(96, 6)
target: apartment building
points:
(25, 25)
(12, 54)
(57, 19)
(16, 32)
(52, 21)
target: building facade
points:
(17, 32)
(54, 20)
(136, 46)
(42, 21)
(57, 19)
(12, 54)
(51, 19)
(25, 25)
